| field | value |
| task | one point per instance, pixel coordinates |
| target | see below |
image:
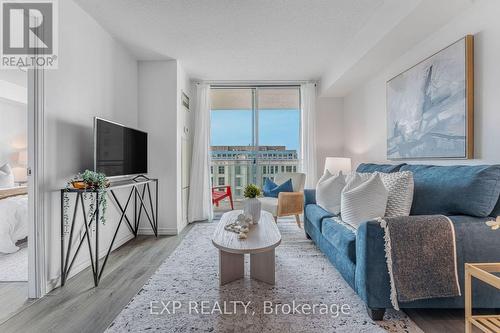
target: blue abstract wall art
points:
(430, 107)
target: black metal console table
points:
(139, 187)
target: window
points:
(288, 168)
(254, 129)
(222, 181)
(211, 169)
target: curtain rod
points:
(235, 83)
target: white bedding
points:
(13, 222)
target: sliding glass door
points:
(255, 133)
(277, 131)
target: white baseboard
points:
(161, 231)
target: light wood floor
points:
(13, 298)
(79, 307)
(13, 295)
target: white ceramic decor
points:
(253, 208)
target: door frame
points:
(35, 170)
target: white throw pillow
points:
(6, 176)
(329, 192)
(400, 186)
(363, 199)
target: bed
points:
(13, 218)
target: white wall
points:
(13, 131)
(365, 109)
(162, 116)
(14, 117)
(158, 116)
(329, 129)
(185, 137)
(96, 77)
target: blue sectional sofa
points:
(467, 194)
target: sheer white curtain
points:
(200, 194)
(308, 101)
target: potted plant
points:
(252, 204)
(90, 182)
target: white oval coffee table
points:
(262, 239)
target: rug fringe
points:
(455, 254)
(388, 257)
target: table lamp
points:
(335, 165)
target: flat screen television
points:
(119, 150)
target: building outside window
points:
(247, 146)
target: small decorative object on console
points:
(252, 204)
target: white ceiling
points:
(340, 42)
(237, 39)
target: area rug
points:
(14, 266)
(184, 294)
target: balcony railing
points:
(239, 173)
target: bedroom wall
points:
(13, 130)
(14, 118)
(365, 109)
(96, 77)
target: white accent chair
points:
(287, 203)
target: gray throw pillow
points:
(400, 186)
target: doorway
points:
(19, 233)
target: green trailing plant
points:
(251, 191)
(95, 182)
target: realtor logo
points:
(29, 37)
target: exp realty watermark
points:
(29, 34)
(247, 308)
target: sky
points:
(276, 128)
